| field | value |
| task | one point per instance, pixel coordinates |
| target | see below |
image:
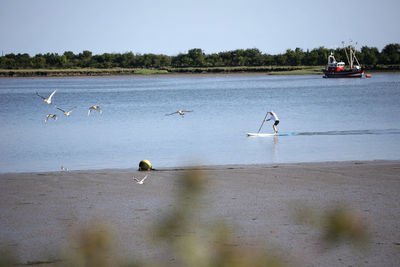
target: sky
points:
(171, 27)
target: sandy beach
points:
(41, 212)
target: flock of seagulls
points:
(67, 113)
(48, 100)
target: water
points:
(334, 120)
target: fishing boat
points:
(337, 69)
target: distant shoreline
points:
(268, 70)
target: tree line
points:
(367, 56)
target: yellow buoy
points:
(145, 165)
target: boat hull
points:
(343, 73)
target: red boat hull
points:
(343, 73)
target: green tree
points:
(38, 62)
(8, 62)
(226, 58)
(23, 61)
(369, 55)
(280, 60)
(165, 61)
(213, 60)
(85, 59)
(391, 54)
(53, 60)
(151, 61)
(69, 55)
(253, 57)
(238, 57)
(322, 55)
(181, 60)
(128, 60)
(196, 56)
(267, 60)
(291, 58)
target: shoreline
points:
(209, 167)
(42, 211)
(92, 72)
(118, 72)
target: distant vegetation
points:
(195, 60)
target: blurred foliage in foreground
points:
(338, 225)
(181, 245)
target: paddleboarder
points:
(275, 118)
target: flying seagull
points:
(140, 181)
(54, 116)
(66, 113)
(180, 112)
(95, 108)
(47, 100)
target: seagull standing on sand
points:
(54, 116)
(66, 113)
(180, 112)
(95, 108)
(140, 181)
(47, 100)
(64, 169)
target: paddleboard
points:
(270, 134)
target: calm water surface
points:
(338, 120)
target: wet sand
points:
(40, 212)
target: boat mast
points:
(351, 54)
(354, 54)
(345, 50)
(351, 57)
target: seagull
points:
(64, 169)
(54, 116)
(139, 181)
(47, 100)
(180, 112)
(95, 108)
(66, 113)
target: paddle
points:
(263, 122)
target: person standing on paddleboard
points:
(275, 118)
